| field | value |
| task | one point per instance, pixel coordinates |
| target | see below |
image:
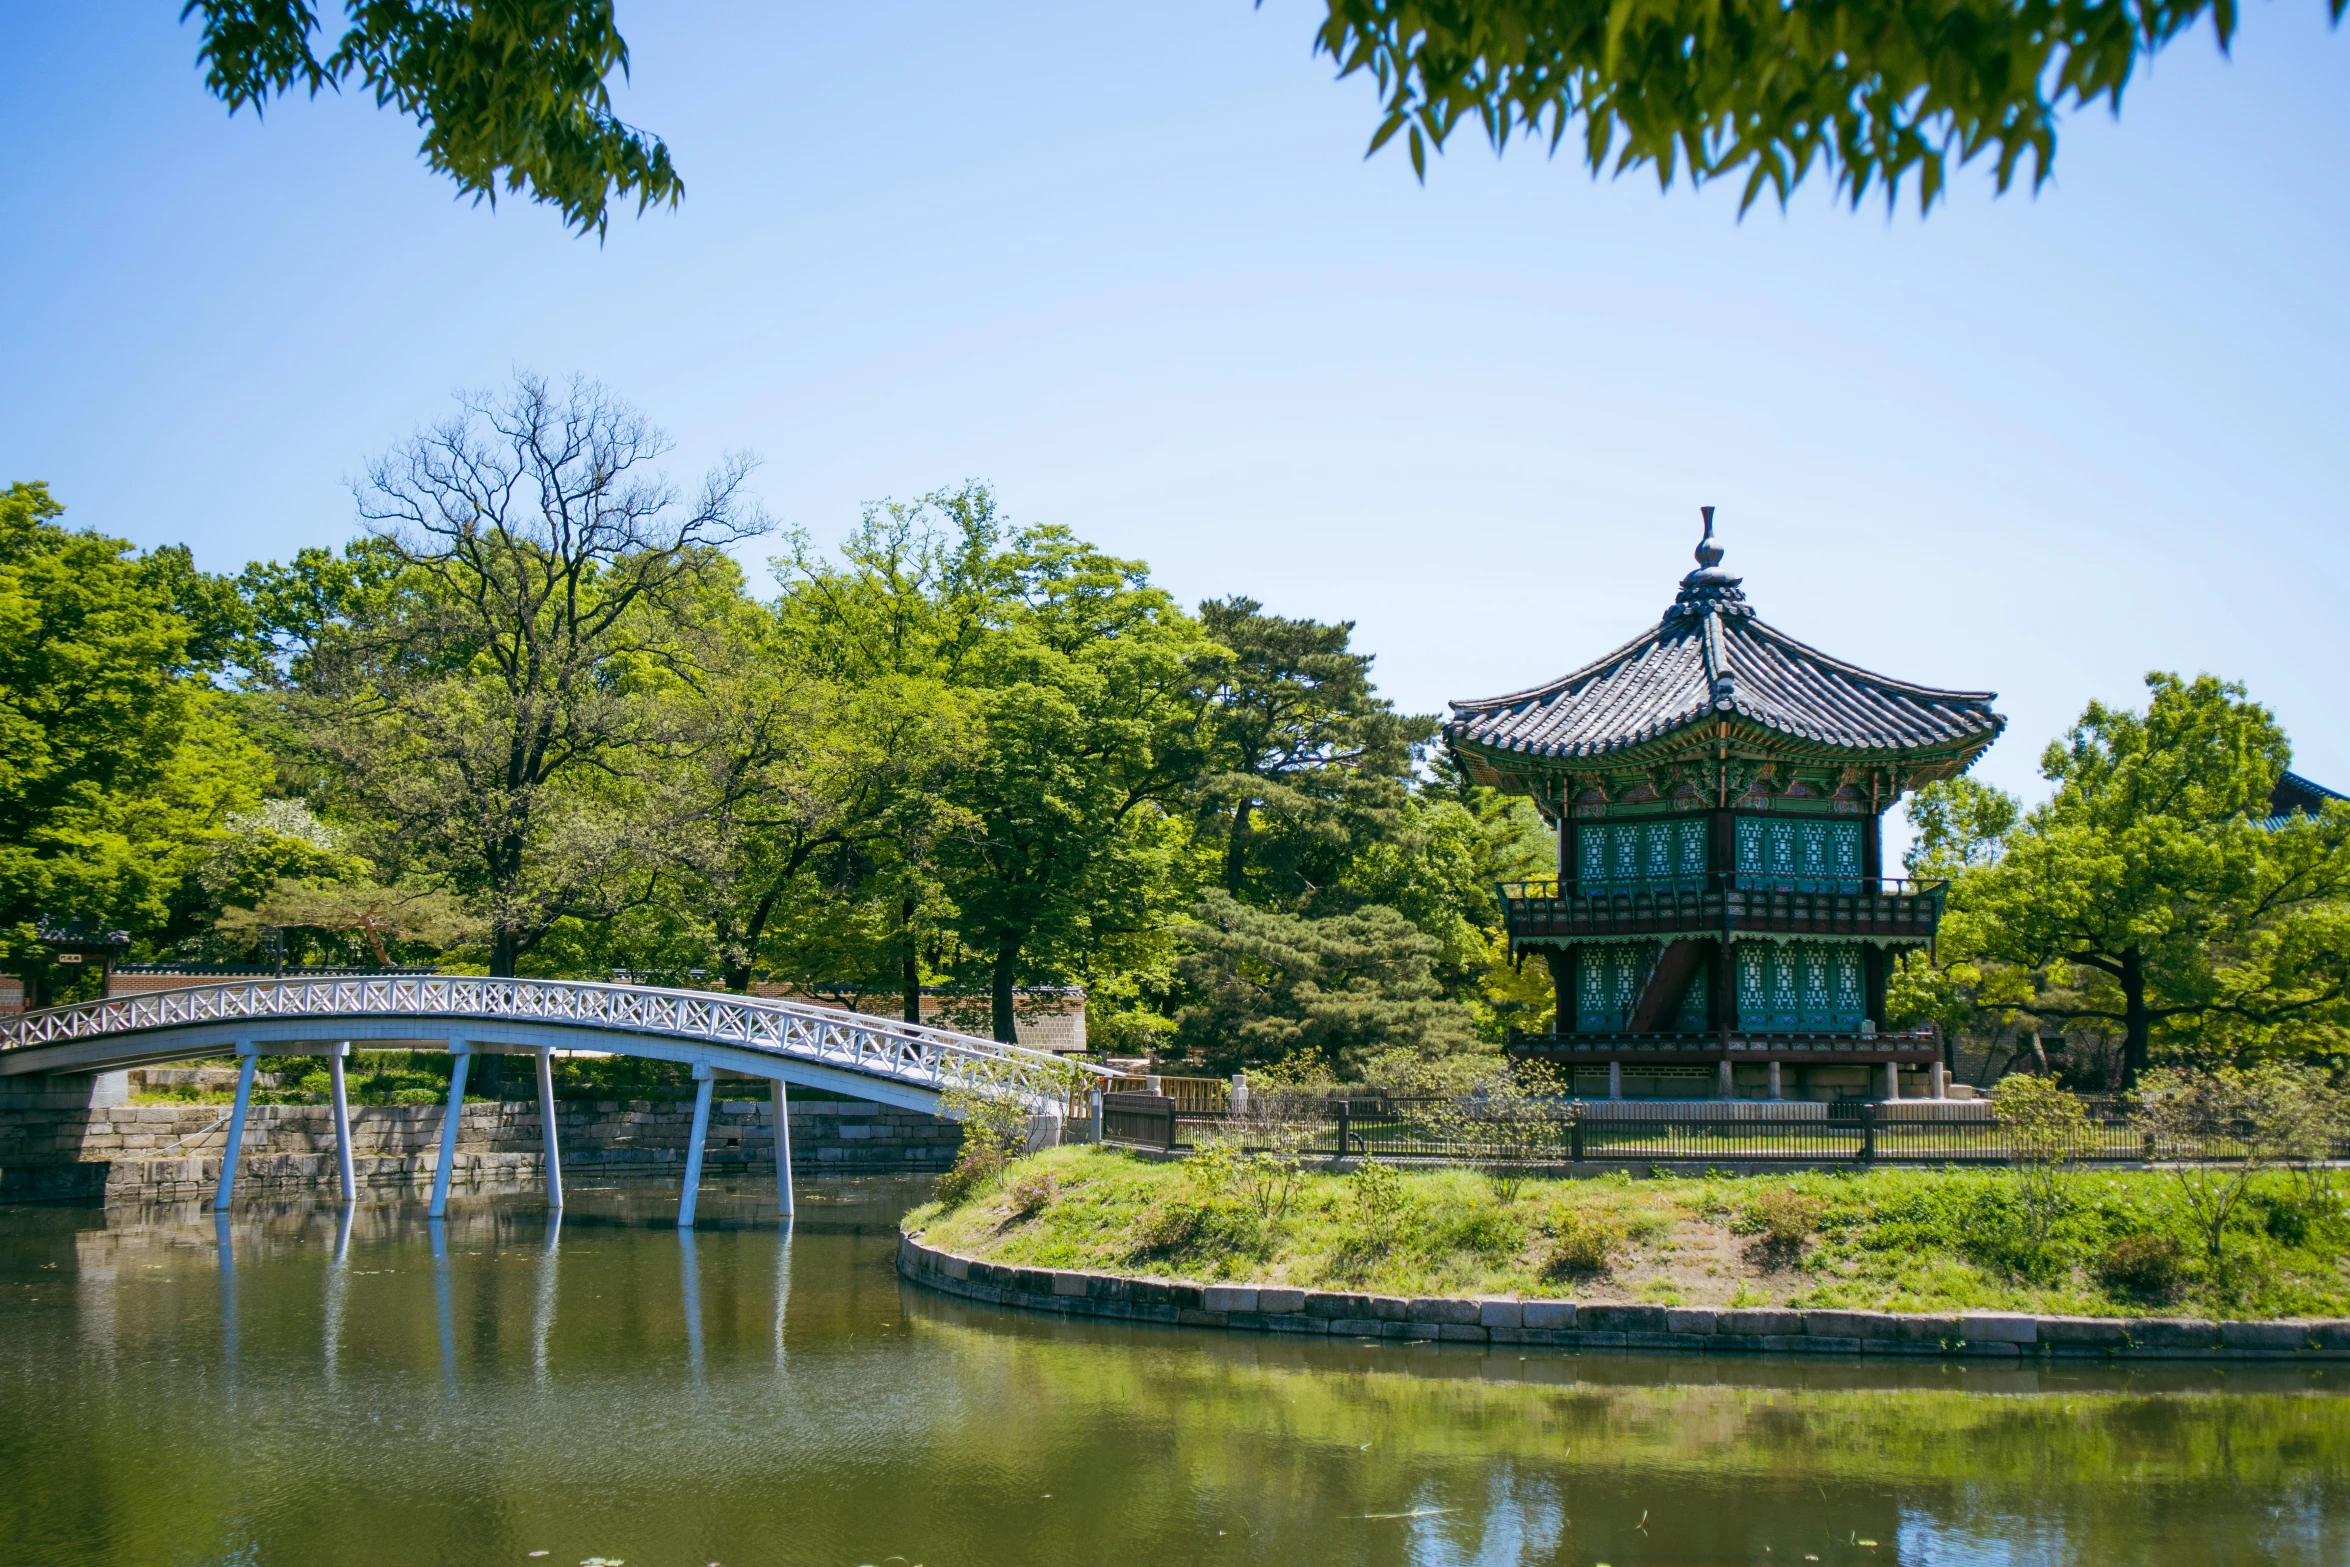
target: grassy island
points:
(2095, 1242)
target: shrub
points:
(1166, 1226)
(1376, 1192)
(995, 1132)
(2145, 1265)
(1031, 1192)
(1481, 1231)
(1582, 1244)
(1784, 1218)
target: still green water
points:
(500, 1392)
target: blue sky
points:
(1128, 264)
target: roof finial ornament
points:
(1709, 554)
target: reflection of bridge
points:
(902, 1064)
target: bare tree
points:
(500, 705)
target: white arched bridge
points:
(906, 1065)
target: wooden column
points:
(1562, 983)
(1872, 848)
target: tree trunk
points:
(1007, 964)
(910, 969)
(488, 1075)
(2137, 1024)
(1236, 848)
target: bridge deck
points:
(904, 1064)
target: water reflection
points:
(365, 1385)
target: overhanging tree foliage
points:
(506, 91)
(1872, 92)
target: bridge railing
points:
(907, 1052)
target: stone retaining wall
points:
(1578, 1325)
(171, 1152)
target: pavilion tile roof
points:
(1709, 655)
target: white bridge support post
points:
(783, 1196)
(346, 1171)
(549, 1155)
(1892, 1080)
(693, 1148)
(234, 1149)
(1775, 1080)
(1095, 1099)
(447, 1163)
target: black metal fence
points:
(1561, 1133)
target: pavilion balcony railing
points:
(1895, 908)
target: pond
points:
(497, 1390)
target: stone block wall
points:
(172, 1152)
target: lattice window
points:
(1689, 848)
(1803, 854)
(1754, 980)
(1846, 1000)
(1591, 990)
(1844, 846)
(1656, 849)
(1641, 851)
(1809, 986)
(1750, 845)
(1609, 984)
(1811, 848)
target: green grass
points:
(1902, 1240)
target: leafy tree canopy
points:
(120, 764)
(2146, 895)
(1346, 988)
(1871, 92)
(510, 92)
(1759, 90)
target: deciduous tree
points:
(2147, 894)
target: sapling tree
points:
(2045, 1125)
(2215, 1132)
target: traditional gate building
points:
(1721, 923)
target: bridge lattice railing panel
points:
(910, 1053)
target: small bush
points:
(1031, 1192)
(1166, 1226)
(2145, 1265)
(1784, 1218)
(1480, 1231)
(1581, 1245)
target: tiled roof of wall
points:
(1710, 654)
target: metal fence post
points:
(1170, 1126)
(1342, 1128)
(1575, 1140)
(1868, 1132)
